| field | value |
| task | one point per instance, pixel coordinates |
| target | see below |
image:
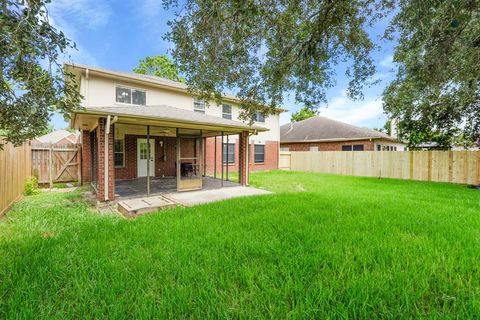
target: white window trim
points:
(264, 117)
(131, 88)
(199, 110)
(264, 153)
(123, 152)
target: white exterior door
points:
(142, 153)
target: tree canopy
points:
(436, 92)
(262, 49)
(32, 82)
(303, 114)
(160, 66)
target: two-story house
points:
(143, 134)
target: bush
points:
(31, 186)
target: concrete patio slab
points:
(134, 207)
(192, 198)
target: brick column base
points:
(101, 162)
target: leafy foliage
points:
(436, 93)
(263, 49)
(32, 82)
(31, 186)
(160, 66)
(303, 114)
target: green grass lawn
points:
(322, 246)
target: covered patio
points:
(135, 151)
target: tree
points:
(385, 129)
(303, 114)
(32, 82)
(263, 49)
(436, 92)
(160, 66)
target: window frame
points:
(122, 152)
(358, 145)
(345, 146)
(257, 113)
(227, 113)
(198, 101)
(131, 95)
(232, 154)
(255, 153)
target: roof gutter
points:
(336, 139)
(126, 115)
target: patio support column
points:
(222, 158)
(105, 170)
(226, 164)
(215, 159)
(148, 160)
(242, 158)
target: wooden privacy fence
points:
(56, 163)
(441, 166)
(15, 168)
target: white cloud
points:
(364, 113)
(387, 62)
(368, 112)
(72, 17)
(87, 13)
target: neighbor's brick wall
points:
(327, 146)
(271, 156)
(86, 157)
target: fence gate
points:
(56, 163)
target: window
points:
(259, 116)
(313, 148)
(228, 153)
(199, 105)
(259, 153)
(355, 147)
(395, 148)
(285, 149)
(227, 111)
(358, 147)
(119, 153)
(130, 96)
(379, 147)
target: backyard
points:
(321, 246)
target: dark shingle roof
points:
(321, 128)
(165, 112)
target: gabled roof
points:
(56, 136)
(168, 113)
(325, 129)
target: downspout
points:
(105, 144)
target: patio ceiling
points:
(160, 116)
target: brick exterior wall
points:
(271, 156)
(164, 166)
(86, 157)
(327, 146)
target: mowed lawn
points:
(322, 246)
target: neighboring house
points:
(324, 134)
(133, 111)
(58, 138)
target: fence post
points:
(50, 165)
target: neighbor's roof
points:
(325, 129)
(168, 113)
(58, 135)
(167, 83)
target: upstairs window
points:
(227, 111)
(259, 116)
(199, 105)
(130, 96)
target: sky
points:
(117, 34)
